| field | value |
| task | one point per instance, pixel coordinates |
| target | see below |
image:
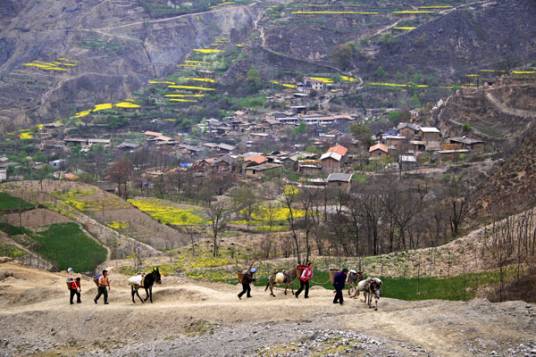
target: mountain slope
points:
(115, 45)
(487, 35)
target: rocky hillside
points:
(498, 113)
(61, 57)
(503, 115)
(109, 49)
(483, 35)
(511, 186)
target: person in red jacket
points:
(74, 286)
(305, 278)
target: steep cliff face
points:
(117, 47)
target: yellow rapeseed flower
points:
(103, 106)
(324, 80)
(82, 114)
(206, 89)
(200, 79)
(404, 28)
(333, 12)
(207, 51)
(127, 105)
(26, 135)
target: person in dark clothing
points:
(247, 279)
(305, 278)
(103, 285)
(74, 289)
(338, 284)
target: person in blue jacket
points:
(338, 284)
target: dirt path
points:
(207, 319)
(527, 114)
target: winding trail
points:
(527, 114)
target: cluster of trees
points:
(382, 216)
(386, 216)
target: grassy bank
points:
(460, 287)
(223, 270)
(67, 245)
(10, 203)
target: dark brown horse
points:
(147, 283)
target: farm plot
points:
(134, 223)
(119, 215)
(35, 218)
(268, 218)
(11, 203)
(66, 245)
(167, 212)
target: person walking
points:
(73, 285)
(103, 285)
(305, 278)
(338, 284)
(247, 279)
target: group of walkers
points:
(305, 277)
(75, 286)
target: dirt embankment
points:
(190, 318)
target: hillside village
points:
(300, 144)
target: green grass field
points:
(66, 245)
(10, 203)
(461, 287)
(13, 230)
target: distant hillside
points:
(112, 48)
(511, 185)
(487, 35)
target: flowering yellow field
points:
(103, 106)
(167, 214)
(154, 81)
(183, 95)
(199, 79)
(118, 225)
(127, 105)
(348, 79)
(82, 114)
(194, 88)
(285, 85)
(325, 80)
(60, 65)
(208, 51)
(333, 12)
(404, 28)
(397, 85)
(25, 135)
(519, 72)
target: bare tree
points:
(218, 214)
(458, 199)
(120, 173)
(290, 195)
(244, 199)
